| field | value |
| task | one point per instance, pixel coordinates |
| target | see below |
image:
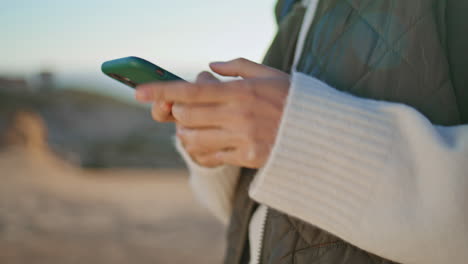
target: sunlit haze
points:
(73, 38)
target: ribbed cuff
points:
(214, 187)
(329, 149)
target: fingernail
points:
(142, 94)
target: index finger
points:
(184, 92)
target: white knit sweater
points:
(377, 174)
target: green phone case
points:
(133, 71)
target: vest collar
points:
(307, 22)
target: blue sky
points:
(181, 35)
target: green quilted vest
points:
(409, 51)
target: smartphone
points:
(133, 71)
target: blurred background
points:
(86, 176)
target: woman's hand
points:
(233, 122)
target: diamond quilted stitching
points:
(384, 37)
(392, 50)
(361, 13)
(332, 44)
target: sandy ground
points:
(52, 212)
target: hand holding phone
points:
(133, 71)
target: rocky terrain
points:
(96, 131)
(57, 208)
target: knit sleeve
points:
(213, 187)
(376, 174)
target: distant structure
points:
(13, 85)
(26, 129)
(46, 80)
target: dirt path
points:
(52, 212)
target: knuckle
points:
(206, 162)
(253, 157)
(182, 138)
(194, 91)
(191, 149)
(209, 160)
(156, 114)
(193, 144)
(252, 154)
(183, 115)
(247, 90)
(247, 116)
(246, 113)
(192, 136)
(203, 161)
(251, 135)
(241, 91)
(203, 76)
(240, 60)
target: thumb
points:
(246, 69)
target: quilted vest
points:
(409, 51)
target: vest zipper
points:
(258, 254)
